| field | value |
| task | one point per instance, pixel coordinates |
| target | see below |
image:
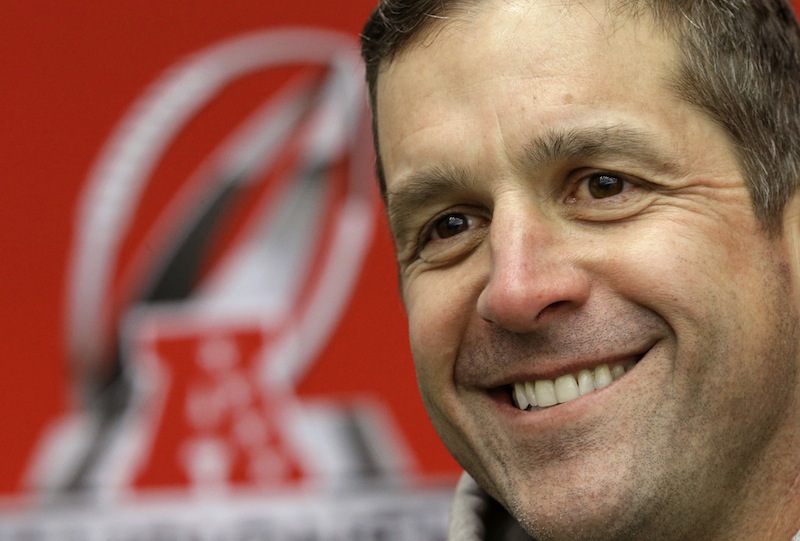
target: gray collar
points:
(477, 517)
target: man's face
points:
(560, 215)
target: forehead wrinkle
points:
(596, 142)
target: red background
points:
(70, 70)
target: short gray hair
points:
(739, 63)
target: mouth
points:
(545, 393)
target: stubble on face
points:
(694, 431)
(661, 495)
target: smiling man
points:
(598, 244)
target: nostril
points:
(554, 308)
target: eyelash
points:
(584, 180)
(473, 218)
(426, 235)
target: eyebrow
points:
(615, 141)
(420, 189)
(605, 142)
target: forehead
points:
(504, 63)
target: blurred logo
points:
(198, 302)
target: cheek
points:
(682, 273)
(439, 307)
(433, 337)
(707, 283)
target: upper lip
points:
(553, 368)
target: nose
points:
(535, 273)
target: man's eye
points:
(451, 236)
(594, 186)
(605, 196)
(450, 225)
(604, 185)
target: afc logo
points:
(191, 321)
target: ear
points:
(791, 236)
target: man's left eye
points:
(603, 196)
(603, 185)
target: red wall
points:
(72, 70)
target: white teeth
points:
(567, 389)
(585, 381)
(545, 392)
(530, 394)
(521, 399)
(602, 376)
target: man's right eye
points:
(449, 225)
(451, 236)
